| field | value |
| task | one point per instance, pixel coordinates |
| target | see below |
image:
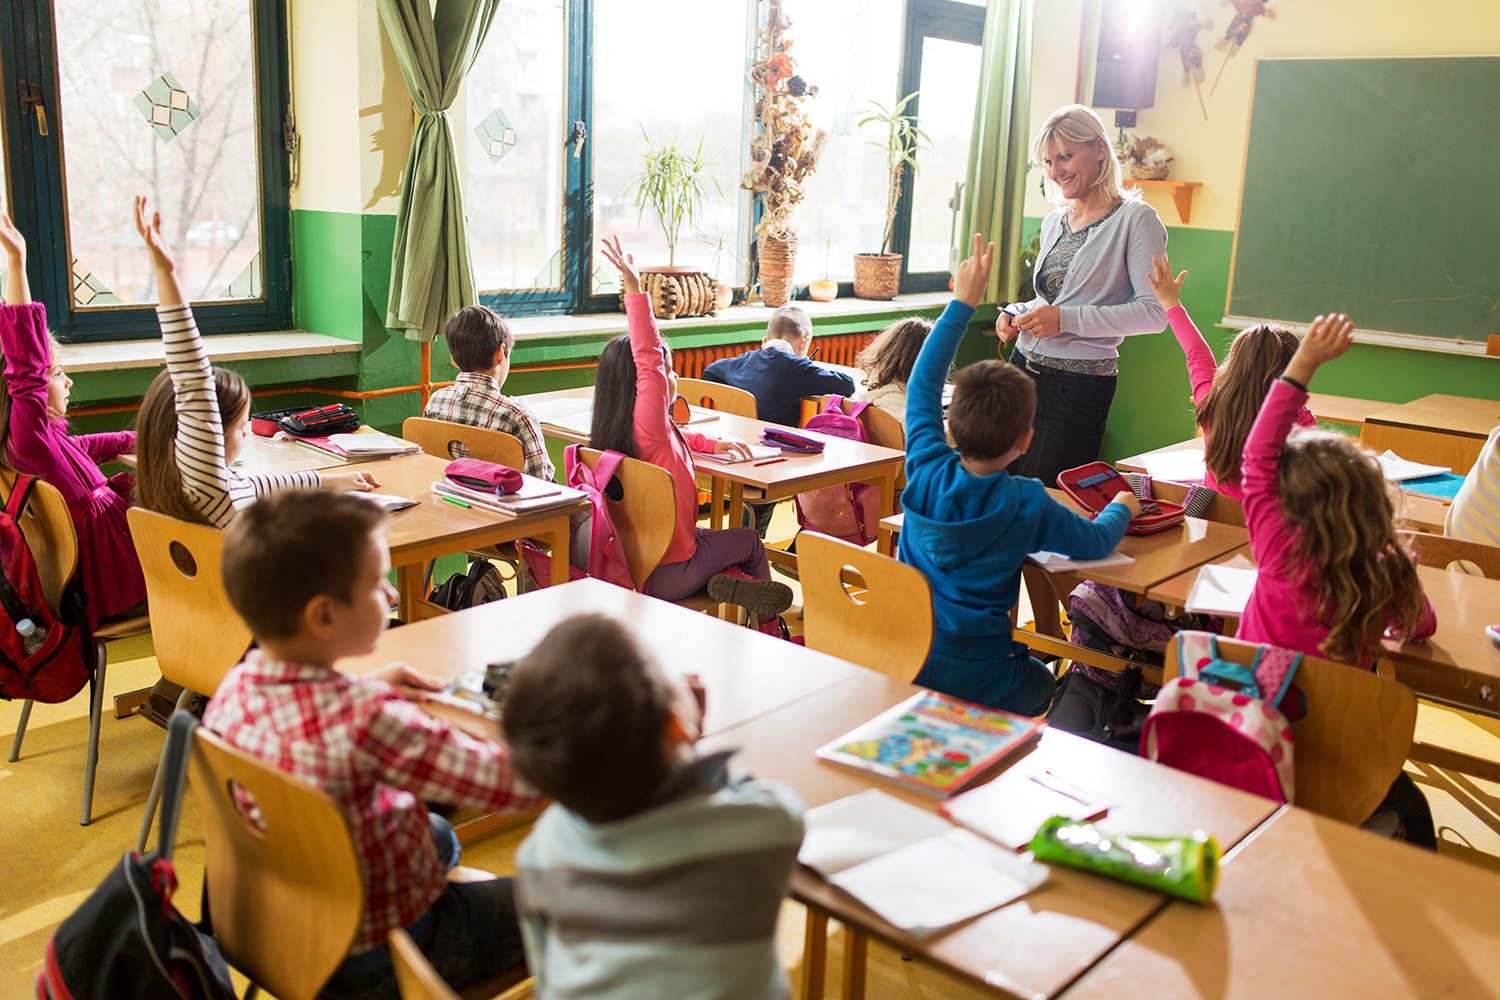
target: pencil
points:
(456, 503)
(771, 461)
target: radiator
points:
(838, 349)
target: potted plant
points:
(1145, 159)
(783, 153)
(826, 289)
(672, 183)
(723, 291)
(878, 275)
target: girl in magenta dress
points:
(34, 433)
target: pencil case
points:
(1095, 485)
(268, 423)
(321, 421)
(791, 441)
(1187, 867)
(481, 475)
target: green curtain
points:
(995, 189)
(431, 272)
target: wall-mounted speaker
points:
(1129, 53)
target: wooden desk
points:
(1173, 592)
(1437, 429)
(1035, 946)
(436, 528)
(1343, 409)
(262, 456)
(1311, 908)
(1458, 665)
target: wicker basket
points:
(678, 292)
(1141, 172)
(777, 258)
(877, 275)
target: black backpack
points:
(127, 939)
(480, 585)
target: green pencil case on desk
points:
(1182, 866)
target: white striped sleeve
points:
(1475, 513)
(200, 431)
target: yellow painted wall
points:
(1213, 151)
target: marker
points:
(456, 503)
(771, 461)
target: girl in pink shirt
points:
(633, 394)
(1226, 397)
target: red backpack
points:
(58, 660)
(849, 511)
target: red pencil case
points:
(1096, 484)
(786, 440)
(268, 423)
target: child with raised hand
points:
(307, 571)
(633, 394)
(1226, 397)
(34, 439)
(970, 523)
(194, 418)
(1333, 577)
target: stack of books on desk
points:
(362, 445)
(534, 495)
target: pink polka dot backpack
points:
(1223, 720)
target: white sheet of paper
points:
(570, 414)
(1009, 809)
(386, 500)
(1185, 466)
(1221, 590)
(758, 453)
(363, 444)
(940, 881)
(860, 827)
(1056, 562)
(1395, 468)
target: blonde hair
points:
(1335, 497)
(1077, 123)
(1257, 358)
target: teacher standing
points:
(1091, 292)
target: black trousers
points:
(1071, 410)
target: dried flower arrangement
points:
(1147, 159)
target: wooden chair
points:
(1223, 509)
(449, 440)
(880, 428)
(197, 634)
(284, 885)
(53, 540)
(888, 628)
(418, 980)
(717, 396)
(1354, 739)
(1442, 552)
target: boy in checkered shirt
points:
(307, 571)
(479, 342)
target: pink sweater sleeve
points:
(1271, 538)
(35, 438)
(1200, 359)
(108, 445)
(653, 421)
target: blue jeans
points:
(469, 934)
(1071, 411)
(1017, 682)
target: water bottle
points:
(31, 636)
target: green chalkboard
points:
(1372, 187)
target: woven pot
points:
(877, 275)
(777, 258)
(678, 292)
(1141, 172)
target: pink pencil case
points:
(479, 475)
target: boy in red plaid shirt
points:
(307, 571)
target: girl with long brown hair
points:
(887, 363)
(1226, 397)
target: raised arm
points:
(924, 390)
(33, 441)
(653, 419)
(17, 288)
(1200, 358)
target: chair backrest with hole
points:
(283, 877)
(438, 437)
(887, 628)
(50, 535)
(415, 976)
(1442, 552)
(717, 396)
(645, 513)
(1353, 740)
(880, 428)
(1223, 509)
(197, 633)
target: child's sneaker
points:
(761, 598)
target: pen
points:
(814, 355)
(456, 503)
(771, 461)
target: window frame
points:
(28, 52)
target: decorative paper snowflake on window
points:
(89, 290)
(496, 135)
(167, 107)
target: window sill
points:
(539, 327)
(124, 354)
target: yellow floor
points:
(52, 863)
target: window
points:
(551, 71)
(179, 100)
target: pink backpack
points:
(595, 534)
(849, 511)
(1222, 721)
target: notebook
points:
(362, 444)
(386, 500)
(758, 453)
(1395, 468)
(1056, 562)
(1009, 809)
(1222, 589)
(569, 414)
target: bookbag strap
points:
(174, 776)
(20, 496)
(15, 506)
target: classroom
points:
(749, 498)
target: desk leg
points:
(560, 541)
(883, 540)
(814, 955)
(733, 512)
(716, 503)
(409, 583)
(856, 945)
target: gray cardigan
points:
(1106, 296)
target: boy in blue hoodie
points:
(969, 524)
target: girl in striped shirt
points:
(184, 456)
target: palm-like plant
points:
(671, 181)
(902, 140)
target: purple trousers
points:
(717, 551)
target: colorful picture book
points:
(933, 742)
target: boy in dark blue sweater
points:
(969, 524)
